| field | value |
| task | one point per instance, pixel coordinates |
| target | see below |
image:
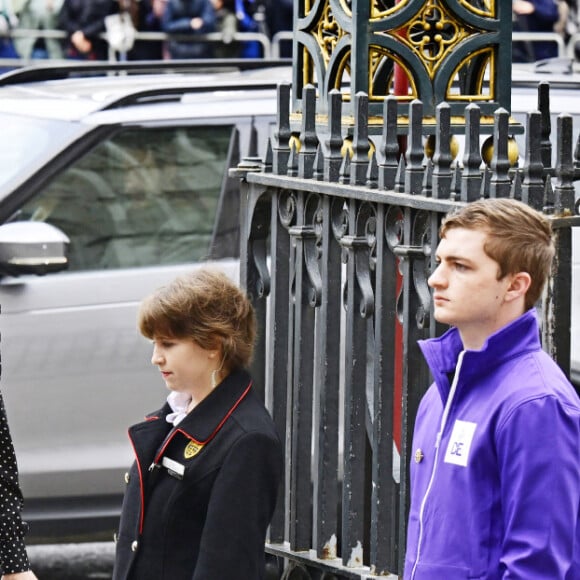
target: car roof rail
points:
(76, 69)
(172, 94)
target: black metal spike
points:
(499, 185)
(389, 148)
(533, 182)
(282, 134)
(442, 157)
(360, 142)
(333, 158)
(415, 152)
(372, 172)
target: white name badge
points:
(460, 443)
(173, 467)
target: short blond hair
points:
(207, 307)
(519, 238)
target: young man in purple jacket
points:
(495, 475)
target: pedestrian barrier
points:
(572, 50)
(271, 48)
(531, 37)
(214, 38)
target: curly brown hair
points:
(207, 307)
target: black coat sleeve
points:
(94, 20)
(13, 556)
(85, 15)
(240, 509)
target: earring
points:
(215, 373)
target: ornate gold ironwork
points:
(433, 33)
(484, 73)
(448, 50)
(383, 8)
(486, 8)
(382, 84)
(328, 32)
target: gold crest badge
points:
(192, 449)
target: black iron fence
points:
(337, 238)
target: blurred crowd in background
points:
(554, 16)
(91, 27)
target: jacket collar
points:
(208, 417)
(519, 336)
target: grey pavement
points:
(86, 561)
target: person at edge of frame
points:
(495, 474)
(14, 561)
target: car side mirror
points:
(32, 248)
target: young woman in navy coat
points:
(203, 487)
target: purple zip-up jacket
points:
(499, 497)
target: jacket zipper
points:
(444, 417)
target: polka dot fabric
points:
(13, 557)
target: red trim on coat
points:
(215, 432)
(141, 487)
(153, 418)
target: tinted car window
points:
(144, 197)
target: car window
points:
(26, 140)
(143, 197)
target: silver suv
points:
(130, 166)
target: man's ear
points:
(518, 286)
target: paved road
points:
(89, 561)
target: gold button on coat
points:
(127, 477)
(134, 546)
(419, 456)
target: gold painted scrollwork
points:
(437, 45)
(479, 67)
(379, 87)
(346, 6)
(328, 32)
(486, 8)
(433, 33)
(383, 8)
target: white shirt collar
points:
(178, 403)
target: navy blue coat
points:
(543, 18)
(204, 516)
(177, 19)
(88, 16)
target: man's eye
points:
(460, 267)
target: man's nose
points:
(436, 279)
